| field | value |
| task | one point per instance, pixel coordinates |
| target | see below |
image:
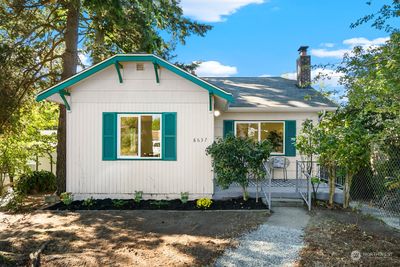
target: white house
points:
(135, 122)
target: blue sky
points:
(256, 37)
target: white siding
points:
(88, 175)
(299, 117)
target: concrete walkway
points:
(277, 242)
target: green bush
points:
(66, 198)
(36, 182)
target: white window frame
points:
(139, 116)
(259, 133)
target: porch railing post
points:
(297, 176)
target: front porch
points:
(278, 189)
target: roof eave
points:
(132, 58)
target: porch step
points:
(287, 202)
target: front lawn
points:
(123, 238)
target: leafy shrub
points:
(118, 203)
(36, 182)
(138, 196)
(66, 198)
(234, 158)
(89, 202)
(15, 201)
(184, 197)
(159, 203)
(204, 203)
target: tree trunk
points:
(346, 190)
(70, 62)
(332, 175)
(245, 194)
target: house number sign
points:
(199, 139)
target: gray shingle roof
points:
(267, 92)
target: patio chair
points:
(279, 163)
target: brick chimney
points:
(303, 68)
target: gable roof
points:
(117, 59)
(270, 92)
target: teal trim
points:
(290, 138)
(62, 95)
(156, 72)
(65, 92)
(135, 58)
(210, 101)
(117, 67)
(109, 149)
(228, 127)
(169, 129)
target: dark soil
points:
(176, 204)
(332, 236)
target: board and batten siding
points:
(88, 175)
(299, 117)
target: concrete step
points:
(287, 202)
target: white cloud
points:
(350, 44)
(85, 60)
(364, 42)
(265, 75)
(339, 53)
(215, 69)
(214, 10)
(329, 45)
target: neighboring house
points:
(138, 123)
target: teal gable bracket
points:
(156, 72)
(118, 67)
(65, 92)
(115, 60)
(210, 100)
(62, 95)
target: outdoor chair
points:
(279, 163)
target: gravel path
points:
(275, 243)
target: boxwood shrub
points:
(36, 182)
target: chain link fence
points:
(375, 189)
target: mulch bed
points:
(176, 204)
(347, 238)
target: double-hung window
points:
(274, 131)
(139, 136)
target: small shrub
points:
(159, 203)
(118, 203)
(36, 182)
(138, 196)
(204, 203)
(15, 201)
(89, 202)
(184, 197)
(66, 198)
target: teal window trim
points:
(62, 95)
(118, 134)
(118, 67)
(133, 58)
(156, 72)
(259, 132)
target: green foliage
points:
(184, 197)
(36, 182)
(15, 201)
(229, 157)
(159, 203)
(138, 196)
(66, 198)
(234, 159)
(119, 203)
(89, 202)
(204, 203)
